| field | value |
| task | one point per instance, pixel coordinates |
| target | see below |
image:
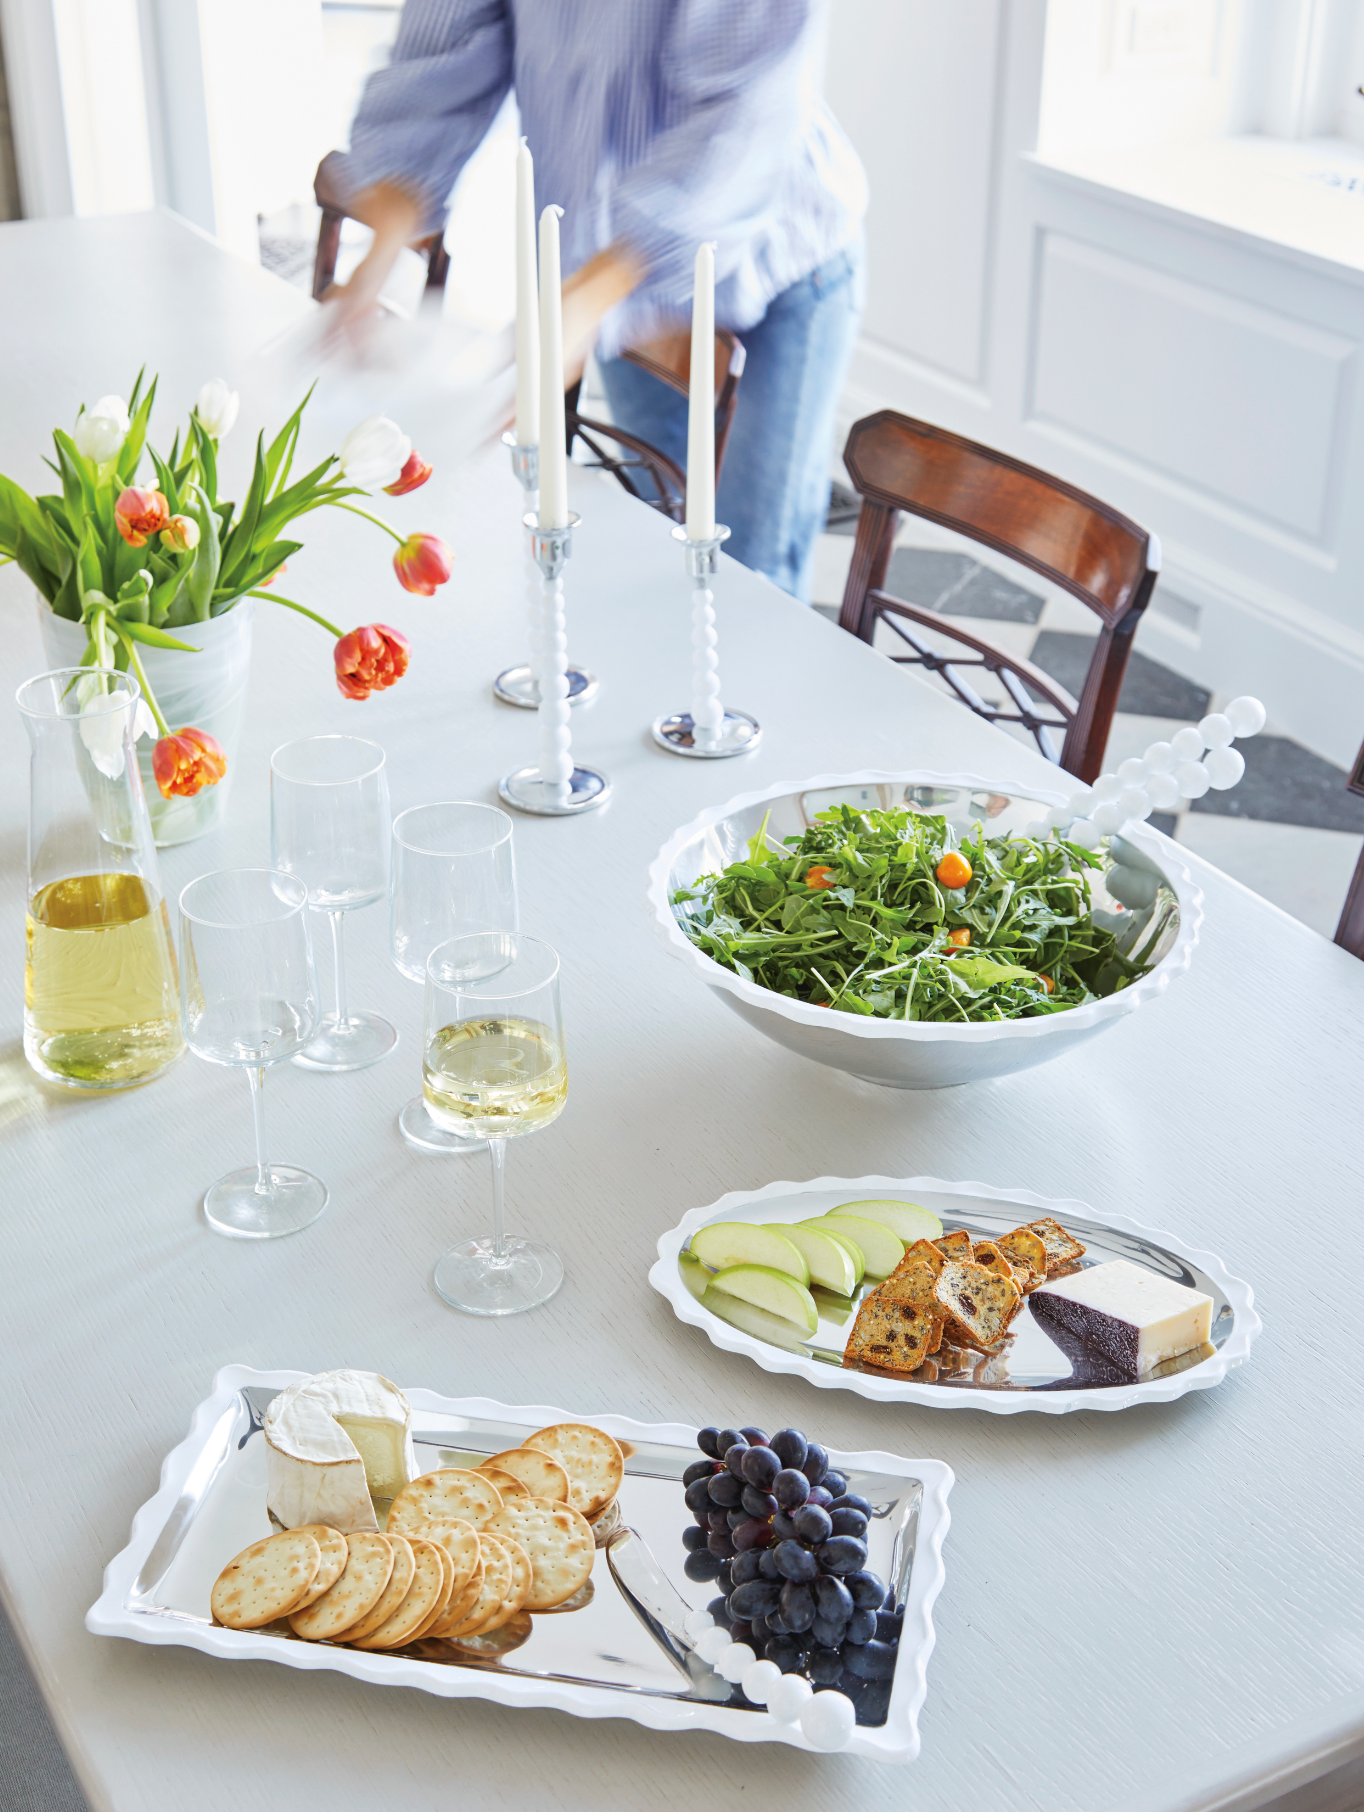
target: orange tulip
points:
(422, 563)
(180, 535)
(370, 660)
(414, 474)
(138, 514)
(186, 762)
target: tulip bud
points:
(100, 431)
(422, 563)
(186, 762)
(180, 535)
(216, 408)
(374, 453)
(414, 474)
(370, 660)
(138, 514)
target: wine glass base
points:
(364, 1039)
(236, 1208)
(421, 1132)
(677, 733)
(469, 1277)
(519, 686)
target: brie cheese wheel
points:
(1132, 1317)
(334, 1443)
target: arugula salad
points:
(889, 913)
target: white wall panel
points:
(1238, 400)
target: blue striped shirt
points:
(658, 123)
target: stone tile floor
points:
(1289, 831)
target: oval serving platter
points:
(1031, 1373)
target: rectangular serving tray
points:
(606, 1660)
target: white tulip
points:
(100, 431)
(216, 408)
(104, 718)
(374, 452)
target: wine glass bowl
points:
(493, 1063)
(248, 994)
(329, 826)
(454, 873)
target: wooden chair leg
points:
(1350, 930)
(437, 264)
(328, 248)
(876, 526)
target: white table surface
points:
(1159, 1609)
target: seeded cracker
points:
(1062, 1248)
(266, 1580)
(979, 1304)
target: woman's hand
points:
(589, 295)
(395, 218)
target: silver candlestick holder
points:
(708, 731)
(516, 685)
(554, 787)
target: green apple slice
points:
(749, 1319)
(851, 1247)
(907, 1219)
(772, 1290)
(881, 1248)
(726, 1243)
(830, 1264)
(694, 1274)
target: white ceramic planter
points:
(207, 691)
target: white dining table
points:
(1158, 1610)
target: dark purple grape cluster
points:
(785, 1540)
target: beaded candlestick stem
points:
(554, 788)
(516, 685)
(708, 730)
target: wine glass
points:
(493, 1062)
(248, 998)
(453, 873)
(329, 824)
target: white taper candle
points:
(527, 306)
(701, 401)
(553, 457)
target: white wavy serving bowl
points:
(894, 1053)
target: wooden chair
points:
(328, 196)
(1350, 930)
(636, 459)
(1072, 539)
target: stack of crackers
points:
(955, 1295)
(465, 1551)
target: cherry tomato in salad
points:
(961, 937)
(954, 870)
(1047, 983)
(819, 877)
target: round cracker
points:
(506, 1484)
(592, 1460)
(493, 1588)
(399, 1584)
(540, 1474)
(457, 1540)
(333, 1545)
(461, 1605)
(428, 1580)
(447, 1591)
(492, 1645)
(558, 1541)
(368, 1568)
(266, 1580)
(450, 1494)
(522, 1579)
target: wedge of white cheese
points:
(1131, 1316)
(334, 1443)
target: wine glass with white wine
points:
(493, 1067)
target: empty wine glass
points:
(329, 824)
(453, 873)
(248, 998)
(493, 1061)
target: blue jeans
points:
(774, 486)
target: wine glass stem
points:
(342, 1018)
(256, 1077)
(497, 1151)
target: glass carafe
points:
(101, 991)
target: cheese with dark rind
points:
(1132, 1317)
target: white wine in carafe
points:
(493, 1077)
(101, 989)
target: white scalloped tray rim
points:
(1235, 1350)
(857, 1025)
(895, 1741)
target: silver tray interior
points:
(1032, 1360)
(628, 1635)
